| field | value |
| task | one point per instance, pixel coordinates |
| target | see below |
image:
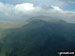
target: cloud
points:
(25, 11)
(36, 2)
(60, 3)
(69, 2)
(24, 6)
(64, 4)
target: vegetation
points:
(39, 38)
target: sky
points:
(23, 9)
(65, 4)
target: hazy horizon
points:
(16, 10)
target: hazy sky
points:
(65, 4)
(24, 9)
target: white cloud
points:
(28, 10)
(57, 8)
(24, 7)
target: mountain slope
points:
(40, 38)
(10, 24)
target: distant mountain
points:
(10, 24)
(40, 37)
(46, 18)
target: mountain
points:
(4, 25)
(10, 24)
(39, 37)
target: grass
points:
(2, 53)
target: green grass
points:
(2, 53)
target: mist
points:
(25, 11)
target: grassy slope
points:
(2, 53)
(36, 29)
(40, 34)
(8, 25)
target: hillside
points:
(40, 38)
(10, 24)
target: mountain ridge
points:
(40, 38)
